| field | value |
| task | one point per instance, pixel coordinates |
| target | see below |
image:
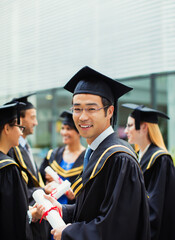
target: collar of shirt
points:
(142, 153)
(101, 137)
(22, 141)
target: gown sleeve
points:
(68, 210)
(160, 184)
(13, 205)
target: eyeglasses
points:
(88, 110)
(20, 127)
(129, 125)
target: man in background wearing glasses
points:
(24, 157)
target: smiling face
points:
(69, 134)
(29, 121)
(91, 125)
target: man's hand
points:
(58, 232)
(48, 178)
(70, 195)
(49, 187)
(54, 202)
(36, 212)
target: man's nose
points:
(83, 115)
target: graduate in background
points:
(111, 202)
(142, 130)
(14, 211)
(67, 161)
(22, 154)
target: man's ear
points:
(110, 111)
(6, 128)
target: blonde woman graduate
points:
(159, 173)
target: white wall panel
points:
(44, 42)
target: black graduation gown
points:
(34, 182)
(14, 221)
(53, 159)
(159, 175)
(111, 199)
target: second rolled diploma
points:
(60, 186)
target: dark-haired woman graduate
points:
(159, 173)
(15, 216)
(67, 161)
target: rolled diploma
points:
(53, 216)
(53, 174)
(60, 189)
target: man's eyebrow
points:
(87, 104)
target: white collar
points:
(22, 141)
(101, 137)
(142, 153)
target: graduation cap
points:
(9, 112)
(145, 114)
(87, 80)
(67, 119)
(27, 105)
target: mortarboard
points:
(142, 113)
(9, 112)
(27, 105)
(87, 80)
(67, 119)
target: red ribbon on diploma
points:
(54, 190)
(47, 212)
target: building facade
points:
(43, 43)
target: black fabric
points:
(40, 231)
(14, 222)
(67, 119)
(33, 178)
(89, 81)
(113, 204)
(9, 112)
(160, 185)
(145, 114)
(24, 99)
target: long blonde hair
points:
(155, 136)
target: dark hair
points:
(11, 123)
(22, 113)
(107, 103)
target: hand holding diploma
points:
(53, 216)
(59, 187)
(53, 174)
(36, 215)
(56, 231)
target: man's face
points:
(29, 121)
(91, 125)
